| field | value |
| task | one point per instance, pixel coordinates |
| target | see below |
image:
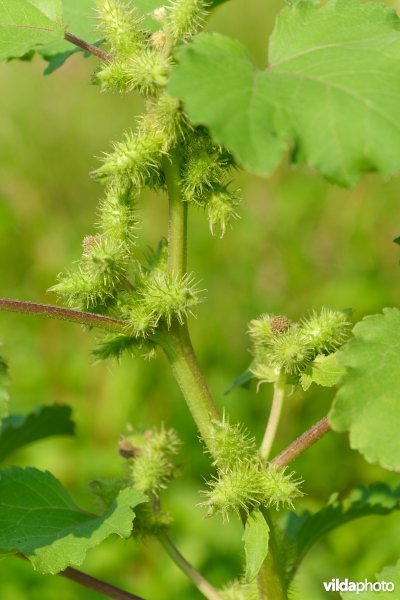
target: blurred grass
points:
(301, 243)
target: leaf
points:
(367, 404)
(324, 370)
(4, 395)
(256, 537)
(389, 575)
(306, 529)
(18, 430)
(79, 19)
(40, 520)
(27, 24)
(331, 91)
(242, 381)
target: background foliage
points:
(301, 243)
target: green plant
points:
(207, 111)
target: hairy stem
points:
(274, 417)
(186, 370)
(176, 342)
(92, 583)
(197, 578)
(63, 314)
(177, 218)
(69, 37)
(302, 443)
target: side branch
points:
(106, 589)
(69, 37)
(307, 439)
(63, 314)
(92, 583)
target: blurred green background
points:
(300, 244)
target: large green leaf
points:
(39, 519)
(367, 404)
(389, 575)
(27, 24)
(19, 430)
(306, 529)
(331, 90)
(256, 538)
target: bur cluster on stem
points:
(279, 346)
(244, 481)
(110, 277)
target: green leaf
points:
(388, 574)
(27, 24)
(367, 404)
(242, 381)
(306, 529)
(324, 370)
(79, 19)
(256, 537)
(19, 430)
(40, 520)
(331, 91)
(4, 395)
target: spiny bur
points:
(326, 331)
(186, 17)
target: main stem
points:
(176, 342)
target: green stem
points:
(176, 342)
(197, 578)
(274, 417)
(177, 218)
(186, 370)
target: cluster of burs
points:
(110, 279)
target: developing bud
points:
(136, 160)
(113, 77)
(249, 485)
(326, 331)
(121, 28)
(118, 218)
(231, 444)
(290, 351)
(205, 169)
(169, 298)
(153, 467)
(96, 281)
(221, 211)
(186, 17)
(148, 71)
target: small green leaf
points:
(256, 537)
(306, 529)
(19, 430)
(40, 520)
(242, 381)
(4, 395)
(324, 370)
(367, 404)
(321, 95)
(27, 24)
(389, 575)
